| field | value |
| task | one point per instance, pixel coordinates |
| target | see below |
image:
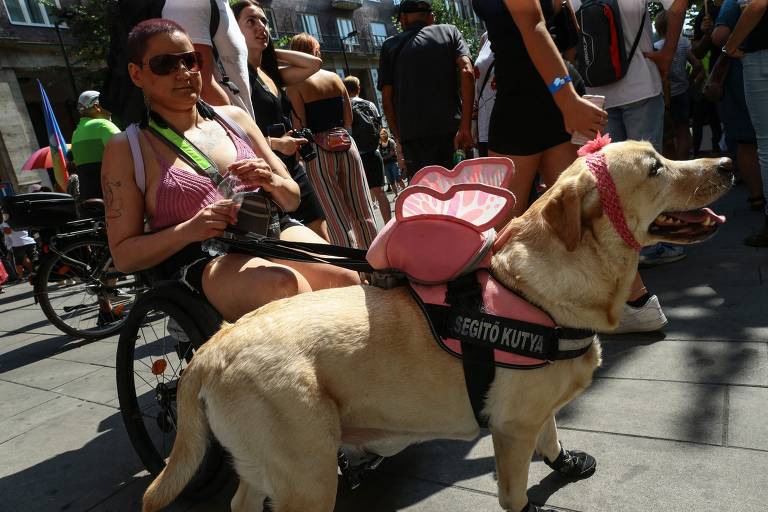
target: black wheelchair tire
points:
(215, 470)
(47, 265)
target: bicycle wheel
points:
(157, 342)
(76, 284)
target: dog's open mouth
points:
(691, 225)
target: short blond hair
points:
(352, 83)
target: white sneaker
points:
(646, 318)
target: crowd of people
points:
(321, 156)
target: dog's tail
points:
(189, 447)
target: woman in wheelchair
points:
(179, 202)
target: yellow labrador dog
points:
(287, 385)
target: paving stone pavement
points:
(677, 420)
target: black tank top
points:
(269, 109)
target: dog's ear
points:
(563, 213)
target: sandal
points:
(573, 465)
(757, 203)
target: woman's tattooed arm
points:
(113, 203)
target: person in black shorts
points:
(537, 105)
(271, 107)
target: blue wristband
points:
(558, 83)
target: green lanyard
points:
(187, 151)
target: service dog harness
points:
(439, 244)
(441, 238)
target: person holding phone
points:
(270, 71)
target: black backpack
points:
(601, 54)
(366, 126)
(118, 93)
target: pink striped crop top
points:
(183, 193)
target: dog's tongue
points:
(698, 216)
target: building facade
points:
(30, 51)
(33, 47)
(350, 32)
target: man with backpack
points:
(427, 82)
(366, 127)
(616, 60)
(629, 75)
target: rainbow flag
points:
(56, 142)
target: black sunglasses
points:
(167, 63)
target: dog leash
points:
(258, 245)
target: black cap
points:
(407, 6)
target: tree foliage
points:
(445, 14)
(87, 24)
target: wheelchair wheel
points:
(156, 344)
(74, 284)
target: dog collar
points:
(610, 198)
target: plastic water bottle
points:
(458, 156)
(228, 188)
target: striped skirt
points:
(340, 184)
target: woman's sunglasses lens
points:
(191, 61)
(168, 63)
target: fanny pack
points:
(335, 140)
(258, 214)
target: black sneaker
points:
(573, 465)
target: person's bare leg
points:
(236, 284)
(320, 227)
(384, 207)
(525, 170)
(555, 160)
(638, 288)
(318, 275)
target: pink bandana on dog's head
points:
(607, 189)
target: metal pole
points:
(66, 61)
(343, 52)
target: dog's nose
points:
(725, 165)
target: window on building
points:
(456, 7)
(346, 26)
(310, 25)
(378, 33)
(29, 12)
(273, 32)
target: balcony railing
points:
(349, 5)
(359, 45)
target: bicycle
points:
(76, 282)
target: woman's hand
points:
(211, 221)
(255, 172)
(287, 144)
(582, 116)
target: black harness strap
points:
(474, 327)
(480, 333)
(479, 370)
